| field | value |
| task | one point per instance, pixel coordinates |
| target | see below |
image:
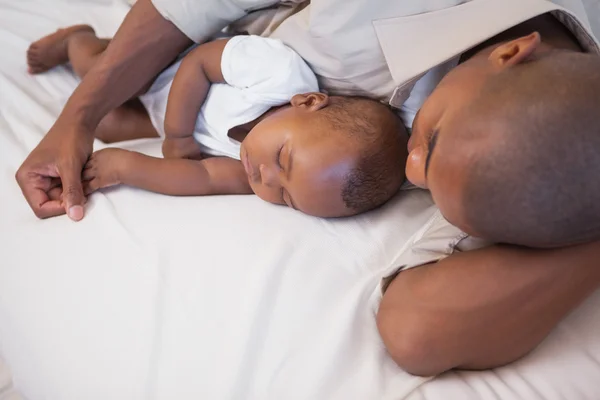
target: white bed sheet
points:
(7, 390)
(153, 297)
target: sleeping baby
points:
(242, 115)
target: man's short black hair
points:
(535, 182)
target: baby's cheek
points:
(267, 194)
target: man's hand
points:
(57, 162)
(184, 147)
(105, 168)
(142, 47)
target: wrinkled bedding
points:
(156, 297)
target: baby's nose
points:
(267, 175)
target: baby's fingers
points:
(88, 174)
(90, 186)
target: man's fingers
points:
(41, 204)
(34, 187)
(51, 208)
(72, 191)
(56, 194)
(54, 183)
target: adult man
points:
(453, 295)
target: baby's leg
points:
(77, 44)
(127, 122)
(80, 46)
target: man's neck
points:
(553, 33)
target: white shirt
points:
(377, 48)
(260, 73)
(441, 37)
(394, 50)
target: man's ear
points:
(516, 51)
(310, 101)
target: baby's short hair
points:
(534, 180)
(381, 138)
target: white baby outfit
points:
(260, 73)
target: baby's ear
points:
(310, 101)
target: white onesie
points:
(260, 73)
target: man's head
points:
(327, 156)
(509, 145)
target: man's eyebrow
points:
(430, 148)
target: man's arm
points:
(177, 177)
(144, 44)
(484, 308)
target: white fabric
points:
(260, 73)
(7, 391)
(335, 37)
(438, 38)
(592, 9)
(565, 366)
(200, 19)
(155, 297)
(158, 297)
(338, 41)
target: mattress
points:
(157, 297)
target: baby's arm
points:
(198, 70)
(177, 177)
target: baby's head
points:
(326, 156)
(509, 145)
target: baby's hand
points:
(104, 168)
(185, 147)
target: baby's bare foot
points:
(51, 50)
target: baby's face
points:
(290, 161)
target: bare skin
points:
(314, 188)
(480, 309)
(144, 45)
(447, 109)
(79, 46)
(52, 50)
(485, 308)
